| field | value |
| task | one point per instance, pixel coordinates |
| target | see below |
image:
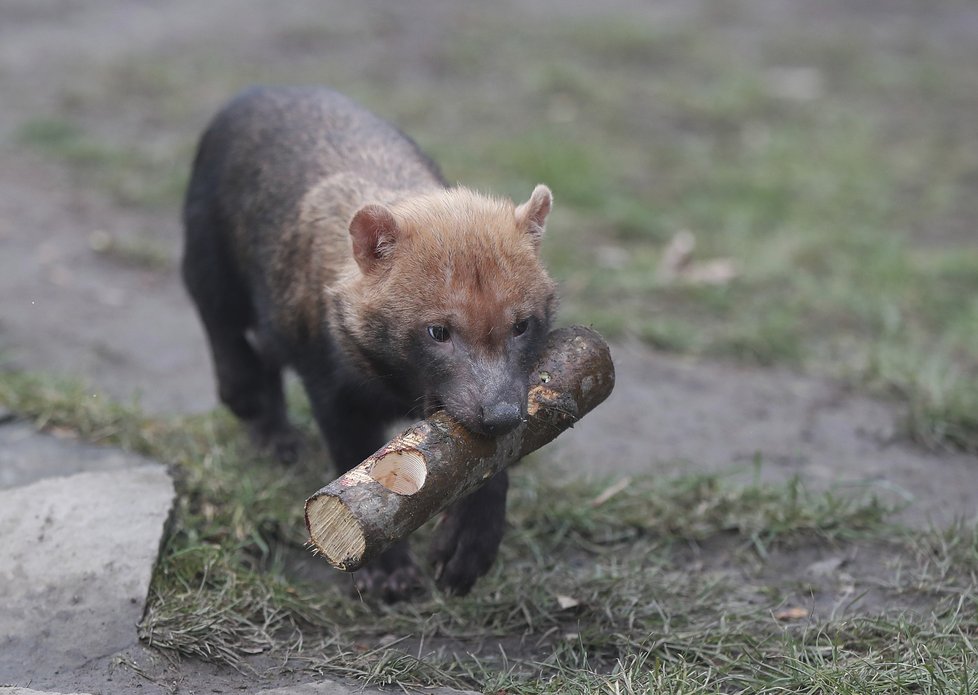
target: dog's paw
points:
(463, 550)
(392, 577)
(282, 442)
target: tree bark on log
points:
(437, 461)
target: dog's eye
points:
(519, 328)
(438, 333)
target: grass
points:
(138, 251)
(822, 167)
(131, 173)
(825, 190)
(671, 585)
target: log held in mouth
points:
(437, 461)
(343, 541)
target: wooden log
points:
(437, 461)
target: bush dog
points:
(319, 237)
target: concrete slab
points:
(26, 456)
(4, 690)
(78, 552)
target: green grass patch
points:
(132, 174)
(647, 586)
(823, 171)
(136, 251)
(834, 171)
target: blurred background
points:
(768, 206)
(758, 181)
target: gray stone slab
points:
(77, 555)
(4, 690)
(26, 456)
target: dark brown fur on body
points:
(319, 237)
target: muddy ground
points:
(122, 322)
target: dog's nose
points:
(500, 418)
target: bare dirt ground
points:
(127, 327)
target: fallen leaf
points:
(677, 265)
(60, 432)
(566, 602)
(826, 567)
(677, 254)
(611, 491)
(718, 271)
(791, 613)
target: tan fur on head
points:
(462, 259)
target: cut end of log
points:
(335, 532)
(403, 472)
